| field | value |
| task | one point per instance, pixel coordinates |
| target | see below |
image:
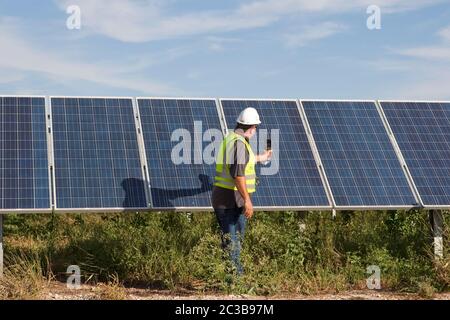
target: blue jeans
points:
(232, 222)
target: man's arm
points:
(237, 171)
(241, 185)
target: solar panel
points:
(186, 183)
(297, 182)
(24, 170)
(422, 132)
(359, 159)
(97, 160)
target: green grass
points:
(283, 253)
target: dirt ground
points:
(58, 291)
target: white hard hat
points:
(249, 117)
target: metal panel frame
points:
(359, 208)
(176, 209)
(379, 102)
(336, 100)
(95, 210)
(275, 208)
(142, 153)
(412, 101)
(51, 155)
(22, 96)
(223, 121)
(32, 211)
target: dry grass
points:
(113, 290)
(442, 268)
(426, 290)
(23, 279)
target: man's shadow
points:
(162, 198)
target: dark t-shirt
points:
(231, 199)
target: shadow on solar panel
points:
(167, 197)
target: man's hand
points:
(266, 156)
(248, 209)
(242, 188)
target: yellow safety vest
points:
(223, 177)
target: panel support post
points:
(437, 224)
(1, 246)
(334, 214)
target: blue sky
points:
(248, 48)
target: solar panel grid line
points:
(358, 181)
(142, 153)
(23, 155)
(160, 159)
(421, 130)
(83, 177)
(128, 159)
(336, 165)
(82, 158)
(96, 155)
(400, 155)
(111, 146)
(44, 141)
(315, 151)
(271, 193)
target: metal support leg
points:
(334, 214)
(437, 223)
(1, 245)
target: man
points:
(235, 181)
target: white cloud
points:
(429, 71)
(219, 44)
(313, 33)
(281, 7)
(10, 76)
(24, 56)
(388, 65)
(142, 21)
(432, 84)
(410, 79)
(445, 34)
(194, 75)
(441, 53)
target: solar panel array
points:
(103, 149)
(297, 182)
(24, 171)
(422, 131)
(97, 161)
(358, 157)
(178, 184)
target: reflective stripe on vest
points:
(223, 177)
